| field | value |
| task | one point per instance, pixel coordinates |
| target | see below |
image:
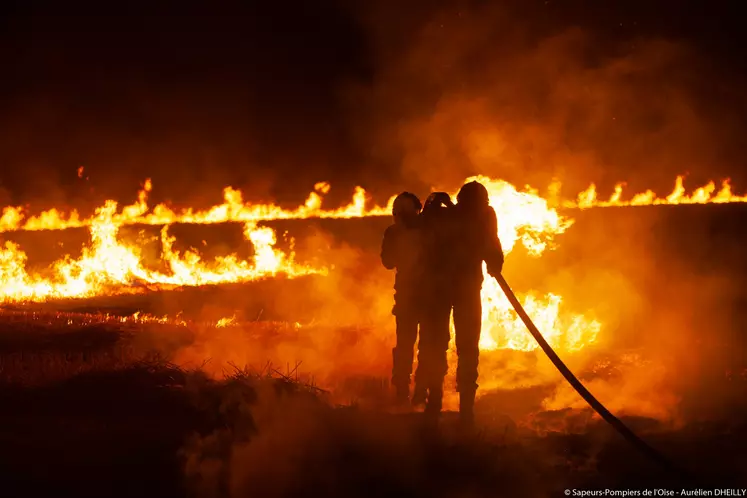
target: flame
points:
(108, 266)
(226, 322)
(706, 194)
(138, 318)
(526, 218)
(234, 209)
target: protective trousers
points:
(404, 351)
(433, 346)
(467, 327)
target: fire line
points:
(108, 266)
(234, 209)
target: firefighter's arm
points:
(493, 254)
(388, 249)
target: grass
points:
(85, 412)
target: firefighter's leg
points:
(435, 340)
(467, 325)
(403, 354)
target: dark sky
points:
(273, 96)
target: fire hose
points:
(615, 422)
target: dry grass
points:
(87, 412)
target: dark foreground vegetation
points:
(105, 420)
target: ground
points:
(88, 414)
(92, 407)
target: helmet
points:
(406, 204)
(473, 194)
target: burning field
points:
(203, 321)
(202, 310)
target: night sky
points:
(272, 97)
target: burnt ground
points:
(87, 410)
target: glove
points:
(438, 199)
(495, 268)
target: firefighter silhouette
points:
(401, 250)
(458, 239)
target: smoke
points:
(300, 443)
(633, 269)
(664, 288)
(358, 290)
(482, 89)
(346, 328)
(385, 96)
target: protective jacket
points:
(476, 241)
(401, 250)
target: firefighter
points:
(401, 250)
(437, 286)
(476, 242)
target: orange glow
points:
(707, 194)
(233, 208)
(108, 266)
